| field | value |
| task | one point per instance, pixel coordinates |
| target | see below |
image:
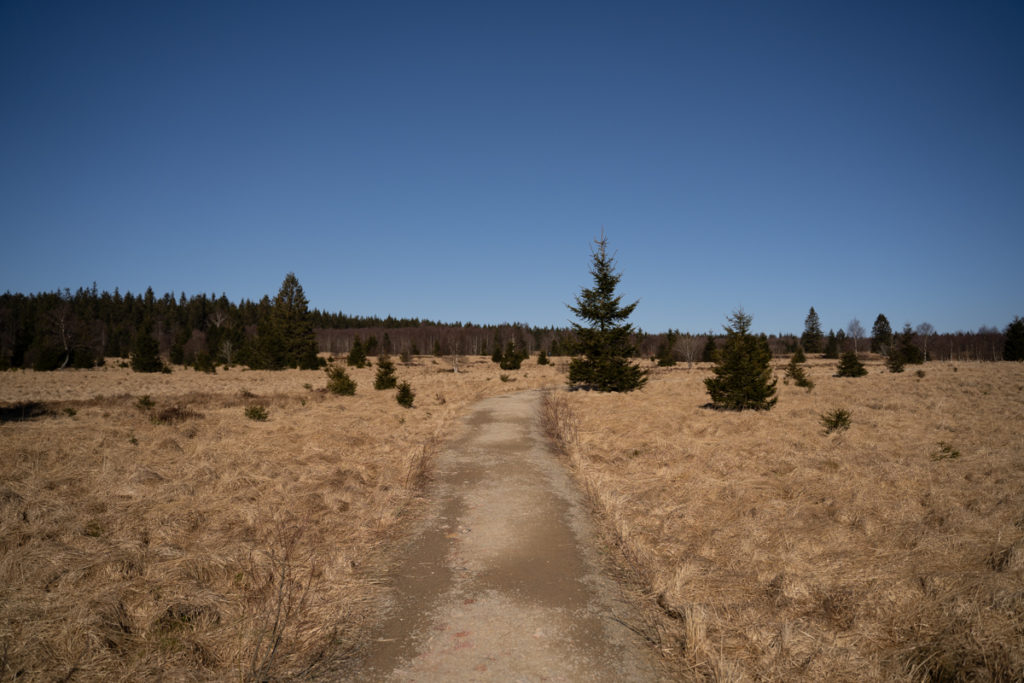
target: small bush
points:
(174, 414)
(405, 357)
(338, 382)
(920, 374)
(257, 413)
(70, 412)
(799, 356)
(405, 395)
(505, 378)
(945, 452)
(144, 403)
(542, 359)
(836, 420)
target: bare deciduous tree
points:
(855, 331)
(925, 330)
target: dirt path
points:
(503, 582)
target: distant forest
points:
(80, 329)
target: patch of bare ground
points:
(183, 541)
(893, 550)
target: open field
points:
(772, 551)
(184, 541)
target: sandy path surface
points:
(504, 582)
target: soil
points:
(504, 580)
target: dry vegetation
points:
(185, 541)
(893, 550)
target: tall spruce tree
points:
(832, 345)
(881, 335)
(812, 337)
(1013, 347)
(603, 338)
(286, 338)
(743, 375)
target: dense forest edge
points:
(53, 330)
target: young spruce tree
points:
(603, 339)
(146, 350)
(743, 374)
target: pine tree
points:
(666, 349)
(405, 395)
(338, 381)
(909, 352)
(357, 356)
(1013, 347)
(850, 366)
(795, 372)
(604, 341)
(710, 352)
(742, 372)
(542, 358)
(146, 350)
(286, 337)
(513, 357)
(385, 378)
(812, 337)
(799, 356)
(832, 345)
(881, 335)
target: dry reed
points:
(184, 541)
(893, 550)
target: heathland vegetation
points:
(857, 522)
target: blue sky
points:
(454, 161)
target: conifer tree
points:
(832, 345)
(513, 357)
(812, 337)
(146, 350)
(666, 349)
(1013, 347)
(742, 372)
(799, 356)
(357, 356)
(405, 395)
(542, 358)
(881, 335)
(909, 352)
(710, 351)
(385, 378)
(850, 366)
(286, 337)
(796, 372)
(603, 339)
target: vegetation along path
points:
(504, 582)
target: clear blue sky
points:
(455, 161)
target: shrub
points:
(799, 355)
(173, 414)
(385, 378)
(512, 358)
(338, 381)
(144, 403)
(203, 362)
(836, 420)
(945, 452)
(894, 361)
(405, 395)
(257, 413)
(542, 359)
(850, 366)
(405, 357)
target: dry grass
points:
(893, 550)
(185, 541)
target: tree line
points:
(58, 329)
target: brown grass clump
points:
(893, 550)
(183, 540)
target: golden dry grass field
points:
(183, 541)
(893, 550)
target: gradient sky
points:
(454, 161)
